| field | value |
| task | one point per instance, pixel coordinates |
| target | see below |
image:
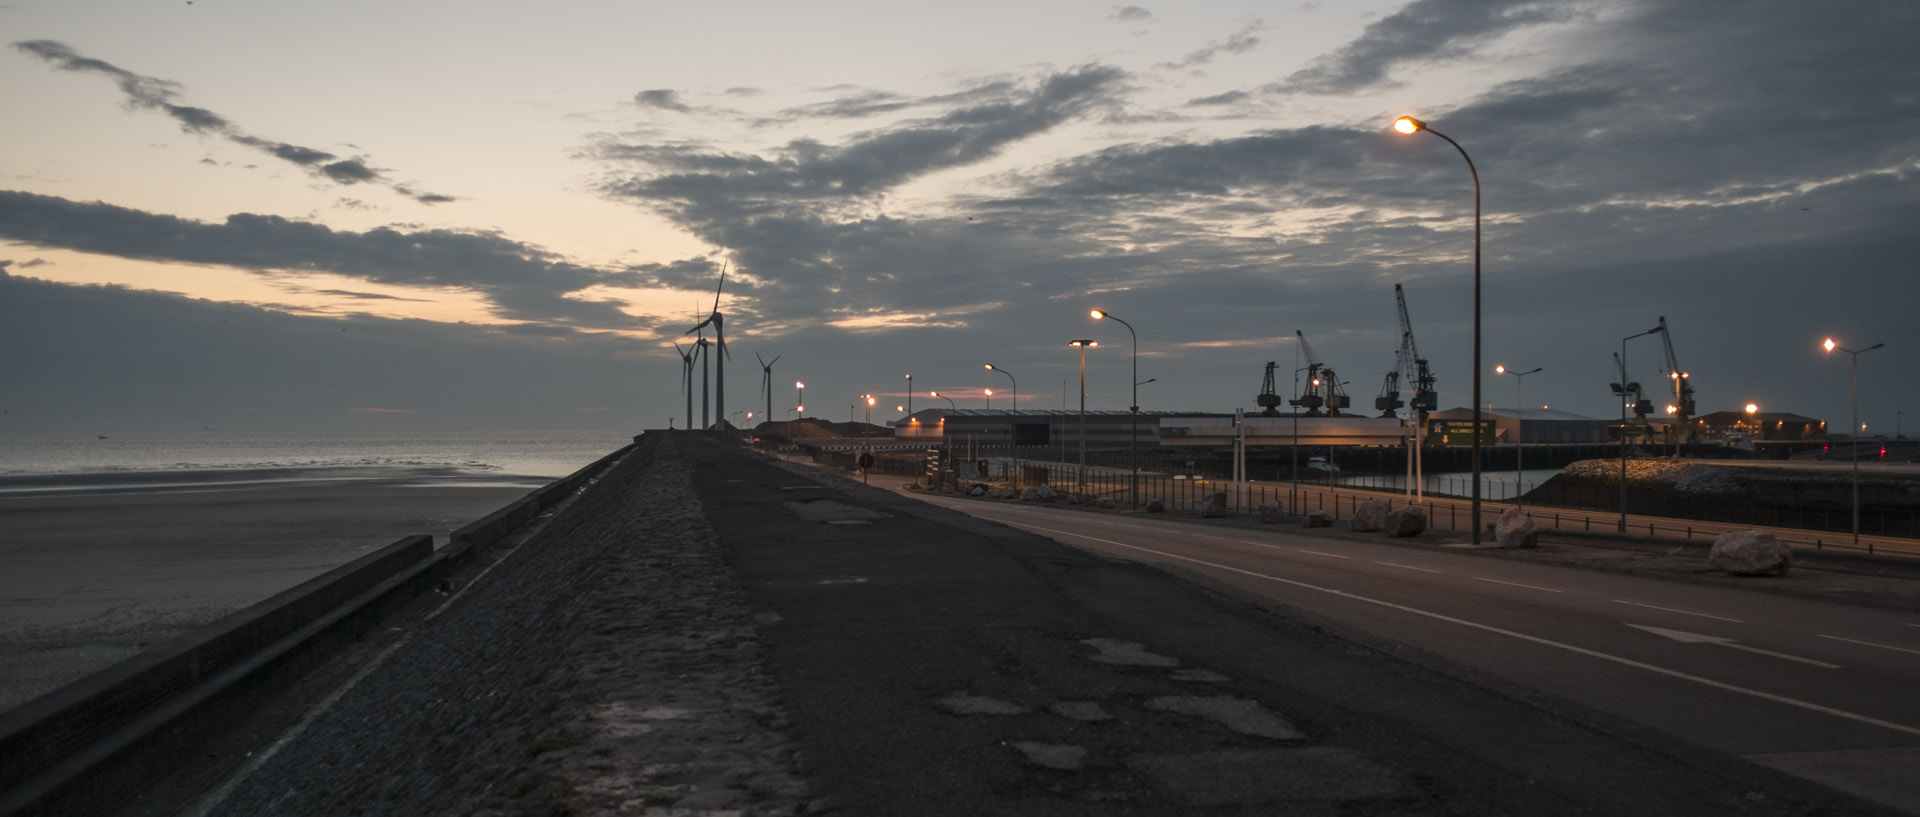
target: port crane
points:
(1630, 390)
(1407, 365)
(1683, 406)
(1323, 385)
(1268, 400)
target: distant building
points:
(1111, 430)
(1535, 426)
(1778, 426)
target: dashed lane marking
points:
(1517, 584)
(1869, 644)
(1678, 610)
(1329, 555)
(1534, 639)
(1408, 567)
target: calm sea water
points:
(550, 455)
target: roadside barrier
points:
(81, 749)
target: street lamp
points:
(1753, 429)
(1623, 422)
(1519, 429)
(800, 398)
(989, 399)
(1409, 125)
(1012, 429)
(909, 407)
(1133, 425)
(1855, 430)
(1083, 344)
(950, 405)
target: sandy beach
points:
(99, 567)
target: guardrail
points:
(85, 747)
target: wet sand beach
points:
(100, 567)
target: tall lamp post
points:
(909, 406)
(1133, 424)
(1623, 423)
(950, 405)
(1012, 430)
(1855, 429)
(800, 398)
(1083, 344)
(1519, 429)
(1410, 125)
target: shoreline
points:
(104, 566)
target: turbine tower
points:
(718, 322)
(766, 381)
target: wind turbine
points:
(720, 339)
(686, 377)
(766, 381)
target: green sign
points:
(1458, 432)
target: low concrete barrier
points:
(60, 740)
(82, 748)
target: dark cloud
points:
(1130, 14)
(523, 282)
(662, 98)
(1240, 42)
(116, 358)
(689, 179)
(148, 93)
(349, 171)
(1422, 31)
(1227, 98)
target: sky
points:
(480, 215)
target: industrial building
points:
(1542, 426)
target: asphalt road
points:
(935, 663)
(1819, 690)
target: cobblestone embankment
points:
(606, 665)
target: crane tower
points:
(1409, 367)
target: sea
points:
(103, 462)
(111, 543)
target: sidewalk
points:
(932, 663)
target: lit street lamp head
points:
(1097, 314)
(1408, 124)
(1086, 343)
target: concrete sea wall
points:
(78, 749)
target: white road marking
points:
(1329, 555)
(1699, 638)
(1869, 644)
(1677, 610)
(1545, 642)
(1517, 584)
(1408, 567)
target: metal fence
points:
(1574, 506)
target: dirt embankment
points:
(1679, 481)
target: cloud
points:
(793, 213)
(1131, 14)
(111, 357)
(1240, 42)
(152, 94)
(1422, 31)
(699, 185)
(523, 282)
(664, 99)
